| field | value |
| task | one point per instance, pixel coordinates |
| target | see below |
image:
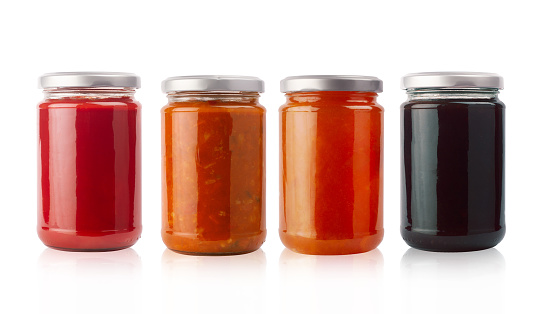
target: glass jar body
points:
(452, 170)
(213, 156)
(89, 169)
(331, 172)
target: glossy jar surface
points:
(452, 169)
(89, 169)
(213, 156)
(331, 172)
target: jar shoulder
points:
(212, 106)
(317, 107)
(453, 103)
(111, 103)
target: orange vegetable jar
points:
(331, 164)
(213, 157)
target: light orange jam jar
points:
(213, 165)
(331, 164)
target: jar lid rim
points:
(89, 79)
(452, 79)
(310, 83)
(215, 83)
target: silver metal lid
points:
(89, 79)
(310, 83)
(452, 80)
(214, 83)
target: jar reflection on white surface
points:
(433, 281)
(331, 284)
(86, 282)
(207, 284)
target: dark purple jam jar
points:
(452, 161)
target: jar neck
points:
(222, 96)
(471, 93)
(88, 93)
(331, 97)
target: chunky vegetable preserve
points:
(331, 165)
(452, 170)
(89, 163)
(213, 166)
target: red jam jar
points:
(331, 164)
(89, 161)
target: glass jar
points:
(452, 161)
(331, 164)
(213, 156)
(89, 162)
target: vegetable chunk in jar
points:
(331, 164)
(213, 156)
(453, 161)
(89, 162)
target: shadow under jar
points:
(89, 162)
(452, 161)
(331, 164)
(213, 156)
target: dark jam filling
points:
(452, 174)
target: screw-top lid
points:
(214, 83)
(89, 79)
(452, 80)
(310, 83)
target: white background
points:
(272, 40)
